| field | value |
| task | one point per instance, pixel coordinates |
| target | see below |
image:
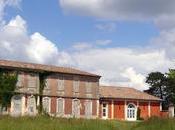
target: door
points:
(104, 110)
(131, 112)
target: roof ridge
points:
(47, 66)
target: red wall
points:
(119, 109)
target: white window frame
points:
(49, 103)
(62, 106)
(73, 113)
(34, 106)
(131, 109)
(106, 110)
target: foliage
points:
(162, 86)
(157, 81)
(42, 80)
(171, 86)
(8, 81)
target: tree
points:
(8, 81)
(171, 85)
(158, 87)
(157, 82)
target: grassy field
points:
(48, 123)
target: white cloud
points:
(106, 27)
(16, 44)
(135, 80)
(160, 11)
(5, 3)
(111, 63)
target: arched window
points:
(131, 112)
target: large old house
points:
(70, 92)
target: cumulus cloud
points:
(160, 11)
(16, 44)
(135, 80)
(111, 63)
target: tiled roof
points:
(40, 68)
(125, 93)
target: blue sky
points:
(121, 40)
(49, 19)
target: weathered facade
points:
(73, 93)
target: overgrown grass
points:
(50, 123)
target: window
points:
(61, 83)
(20, 80)
(104, 110)
(31, 105)
(76, 107)
(17, 105)
(88, 109)
(47, 85)
(60, 106)
(131, 112)
(46, 104)
(76, 85)
(88, 87)
(31, 81)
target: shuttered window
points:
(61, 84)
(60, 106)
(20, 80)
(32, 82)
(88, 109)
(76, 107)
(47, 85)
(76, 85)
(88, 87)
(46, 104)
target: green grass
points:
(49, 123)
